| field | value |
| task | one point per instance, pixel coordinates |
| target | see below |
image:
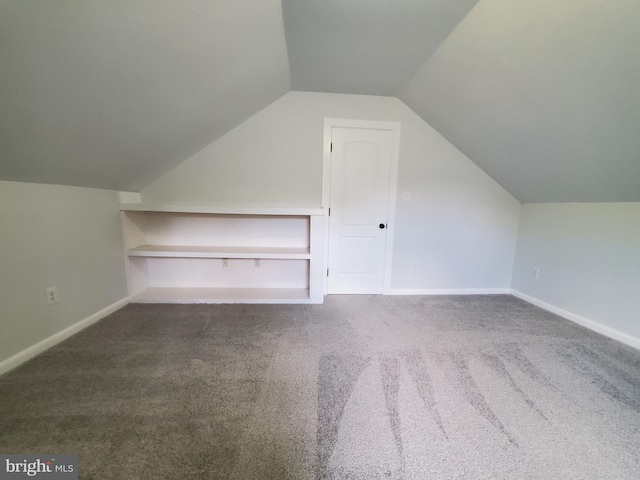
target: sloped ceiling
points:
(542, 95)
(113, 93)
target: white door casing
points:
(359, 188)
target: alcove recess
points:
(198, 254)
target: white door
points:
(359, 202)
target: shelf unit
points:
(199, 254)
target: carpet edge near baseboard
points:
(28, 353)
(580, 320)
(449, 291)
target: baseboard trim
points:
(585, 322)
(30, 352)
(449, 291)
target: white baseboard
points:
(451, 291)
(585, 322)
(30, 352)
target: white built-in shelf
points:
(222, 295)
(174, 252)
(181, 251)
(285, 211)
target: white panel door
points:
(359, 200)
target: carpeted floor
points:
(362, 387)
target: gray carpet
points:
(362, 387)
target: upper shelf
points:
(141, 207)
(218, 252)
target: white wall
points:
(589, 260)
(67, 237)
(457, 232)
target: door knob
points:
(382, 225)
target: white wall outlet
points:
(52, 295)
(535, 273)
(257, 262)
(225, 262)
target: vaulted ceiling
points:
(544, 96)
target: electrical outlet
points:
(257, 262)
(225, 262)
(52, 295)
(535, 273)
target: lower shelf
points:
(222, 295)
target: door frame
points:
(394, 128)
